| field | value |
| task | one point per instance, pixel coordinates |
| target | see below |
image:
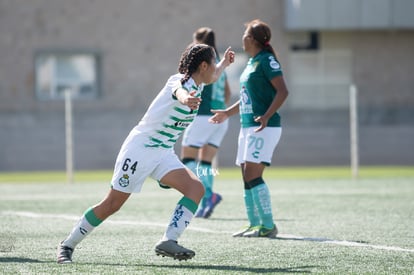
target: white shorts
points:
(135, 163)
(257, 147)
(201, 132)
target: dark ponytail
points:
(206, 35)
(260, 31)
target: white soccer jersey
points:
(166, 118)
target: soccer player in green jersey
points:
(148, 151)
(202, 139)
(262, 93)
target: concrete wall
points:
(140, 43)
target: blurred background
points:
(115, 56)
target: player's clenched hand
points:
(229, 56)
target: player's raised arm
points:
(228, 59)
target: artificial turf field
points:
(328, 224)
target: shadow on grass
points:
(259, 270)
(222, 268)
(244, 219)
(315, 239)
(18, 260)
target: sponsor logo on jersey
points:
(245, 96)
(183, 124)
(245, 102)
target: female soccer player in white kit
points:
(148, 152)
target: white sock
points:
(179, 222)
(79, 232)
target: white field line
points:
(279, 236)
(342, 242)
(75, 218)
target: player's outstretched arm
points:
(188, 98)
(221, 115)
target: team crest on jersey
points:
(273, 63)
(124, 181)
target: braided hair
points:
(261, 33)
(192, 57)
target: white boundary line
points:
(279, 236)
(343, 243)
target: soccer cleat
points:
(261, 231)
(241, 232)
(172, 249)
(211, 204)
(64, 254)
(200, 213)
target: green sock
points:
(195, 167)
(251, 210)
(206, 176)
(261, 197)
(92, 218)
(191, 164)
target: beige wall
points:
(384, 62)
(140, 43)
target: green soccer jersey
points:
(218, 95)
(256, 90)
(205, 106)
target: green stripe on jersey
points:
(182, 111)
(173, 127)
(165, 134)
(155, 140)
(163, 145)
(181, 120)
